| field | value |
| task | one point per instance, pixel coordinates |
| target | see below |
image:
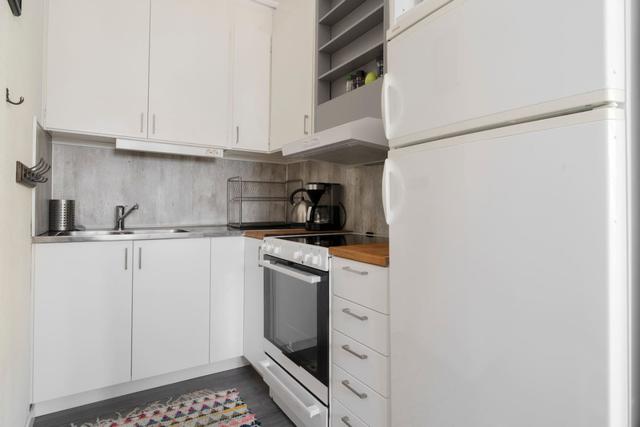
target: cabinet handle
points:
(353, 390)
(153, 124)
(346, 421)
(306, 122)
(126, 258)
(354, 271)
(352, 314)
(237, 135)
(139, 258)
(348, 350)
(141, 122)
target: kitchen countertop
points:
(192, 232)
(261, 234)
(370, 253)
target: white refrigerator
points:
(508, 197)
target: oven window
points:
(296, 314)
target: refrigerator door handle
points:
(386, 205)
(384, 107)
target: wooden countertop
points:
(370, 253)
(261, 234)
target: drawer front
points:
(342, 417)
(366, 365)
(364, 284)
(292, 398)
(364, 402)
(362, 324)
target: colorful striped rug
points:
(199, 409)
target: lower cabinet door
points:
(170, 305)
(82, 317)
(253, 303)
(227, 292)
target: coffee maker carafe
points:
(327, 211)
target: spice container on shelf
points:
(380, 67)
(350, 83)
(359, 79)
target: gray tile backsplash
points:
(362, 191)
(176, 190)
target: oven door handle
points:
(292, 272)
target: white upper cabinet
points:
(292, 72)
(251, 75)
(97, 67)
(190, 72)
(189, 94)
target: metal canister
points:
(62, 215)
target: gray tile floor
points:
(252, 389)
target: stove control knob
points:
(298, 255)
(308, 258)
(316, 260)
(277, 250)
(267, 247)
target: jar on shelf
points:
(350, 83)
(359, 78)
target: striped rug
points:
(199, 409)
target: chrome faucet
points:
(121, 215)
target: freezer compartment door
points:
(476, 64)
(508, 278)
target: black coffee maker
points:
(327, 211)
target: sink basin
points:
(98, 233)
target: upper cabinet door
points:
(292, 72)
(97, 67)
(189, 94)
(251, 75)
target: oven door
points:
(296, 321)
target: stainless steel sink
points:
(133, 231)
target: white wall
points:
(20, 70)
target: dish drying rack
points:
(259, 204)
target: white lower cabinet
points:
(170, 306)
(363, 401)
(82, 317)
(342, 417)
(227, 298)
(360, 345)
(253, 303)
(106, 313)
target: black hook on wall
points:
(16, 7)
(8, 99)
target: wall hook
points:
(8, 99)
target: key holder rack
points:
(30, 177)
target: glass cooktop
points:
(332, 240)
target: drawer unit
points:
(342, 417)
(363, 401)
(365, 364)
(362, 324)
(365, 284)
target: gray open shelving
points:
(350, 37)
(352, 32)
(338, 10)
(359, 59)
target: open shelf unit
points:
(350, 37)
